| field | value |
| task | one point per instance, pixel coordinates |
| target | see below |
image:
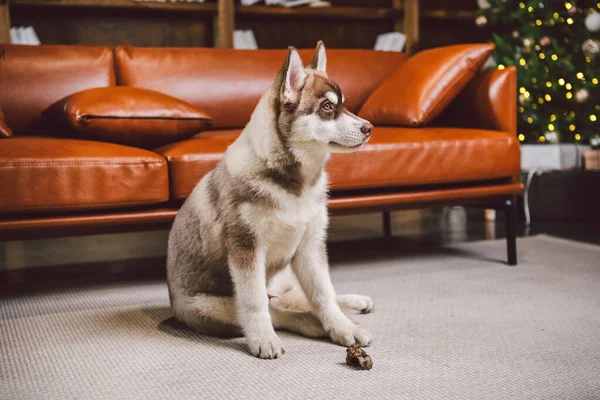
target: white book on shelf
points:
(15, 36)
(249, 2)
(250, 40)
(397, 41)
(244, 40)
(32, 38)
(239, 39)
(392, 41)
(23, 35)
(296, 3)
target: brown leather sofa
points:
(52, 186)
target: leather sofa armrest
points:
(488, 102)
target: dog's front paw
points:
(266, 345)
(349, 334)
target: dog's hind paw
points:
(356, 302)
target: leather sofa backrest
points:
(34, 77)
(227, 83)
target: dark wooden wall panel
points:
(143, 27)
(436, 33)
(453, 5)
(112, 27)
(278, 33)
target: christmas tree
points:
(555, 47)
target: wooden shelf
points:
(404, 14)
(124, 4)
(444, 14)
(362, 13)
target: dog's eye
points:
(327, 106)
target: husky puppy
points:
(247, 253)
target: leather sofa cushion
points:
(393, 157)
(4, 129)
(191, 159)
(127, 115)
(423, 86)
(227, 83)
(62, 174)
(33, 77)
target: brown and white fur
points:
(247, 252)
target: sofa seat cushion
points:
(393, 157)
(424, 156)
(189, 160)
(54, 174)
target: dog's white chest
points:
(280, 230)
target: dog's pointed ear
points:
(294, 75)
(319, 60)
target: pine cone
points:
(358, 358)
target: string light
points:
(554, 57)
(521, 110)
(593, 118)
(537, 47)
(522, 90)
(522, 62)
(556, 16)
(538, 22)
(570, 21)
(541, 101)
(549, 84)
(588, 60)
(577, 136)
(552, 118)
(542, 56)
(579, 75)
(526, 95)
(521, 5)
(542, 139)
(595, 81)
(521, 137)
(530, 9)
(530, 120)
(568, 6)
(569, 95)
(534, 79)
(550, 127)
(547, 97)
(572, 127)
(561, 81)
(572, 114)
(500, 67)
(568, 86)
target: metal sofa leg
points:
(510, 214)
(387, 225)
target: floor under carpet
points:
(451, 323)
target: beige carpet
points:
(449, 324)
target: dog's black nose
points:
(366, 129)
